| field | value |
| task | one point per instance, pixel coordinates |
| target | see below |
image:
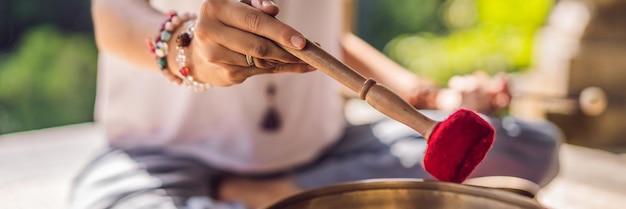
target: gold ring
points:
(250, 60)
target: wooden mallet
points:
(455, 146)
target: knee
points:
(523, 149)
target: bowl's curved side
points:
(404, 193)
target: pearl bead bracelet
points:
(160, 49)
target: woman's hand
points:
(477, 92)
(228, 30)
(422, 94)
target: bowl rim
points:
(407, 183)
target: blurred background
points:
(47, 64)
(564, 57)
(48, 58)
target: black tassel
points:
(271, 120)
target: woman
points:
(265, 126)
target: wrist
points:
(173, 58)
(421, 93)
(183, 44)
(169, 46)
(426, 98)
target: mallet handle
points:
(378, 96)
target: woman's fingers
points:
(264, 63)
(266, 6)
(227, 75)
(240, 72)
(211, 28)
(252, 45)
(216, 53)
(481, 92)
(234, 41)
(502, 97)
(254, 21)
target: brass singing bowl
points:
(404, 193)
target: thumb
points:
(266, 6)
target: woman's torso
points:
(140, 108)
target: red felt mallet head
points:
(457, 145)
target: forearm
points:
(372, 64)
(121, 27)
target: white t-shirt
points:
(221, 126)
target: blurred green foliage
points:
(49, 80)
(19, 16)
(47, 64)
(379, 21)
(446, 38)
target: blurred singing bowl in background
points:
(405, 193)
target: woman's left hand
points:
(476, 91)
(422, 94)
(482, 93)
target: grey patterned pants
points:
(151, 179)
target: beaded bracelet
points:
(183, 40)
(160, 48)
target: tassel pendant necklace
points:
(271, 119)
